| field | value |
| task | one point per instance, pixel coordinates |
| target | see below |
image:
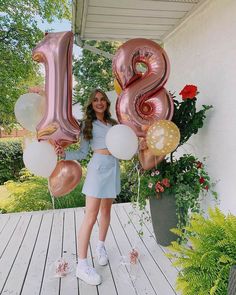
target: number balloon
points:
(143, 99)
(58, 124)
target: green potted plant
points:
(176, 185)
(206, 260)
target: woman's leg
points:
(104, 222)
(91, 212)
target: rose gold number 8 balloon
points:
(143, 99)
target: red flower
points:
(189, 91)
(201, 180)
(199, 165)
(159, 188)
(206, 187)
(166, 182)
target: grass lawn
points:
(3, 192)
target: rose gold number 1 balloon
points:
(58, 124)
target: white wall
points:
(77, 111)
(203, 52)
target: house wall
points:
(203, 52)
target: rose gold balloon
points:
(64, 178)
(148, 160)
(143, 100)
(117, 87)
(58, 124)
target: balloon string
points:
(137, 200)
(51, 195)
(138, 195)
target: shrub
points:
(10, 159)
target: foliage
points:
(128, 180)
(10, 159)
(19, 34)
(30, 193)
(206, 260)
(93, 71)
(185, 178)
(187, 118)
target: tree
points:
(93, 71)
(19, 34)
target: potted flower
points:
(176, 185)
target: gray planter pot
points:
(232, 281)
(163, 214)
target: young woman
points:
(102, 183)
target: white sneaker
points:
(102, 256)
(88, 275)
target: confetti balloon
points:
(162, 137)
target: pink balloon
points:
(58, 124)
(64, 178)
(143, 100)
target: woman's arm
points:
(81, 153)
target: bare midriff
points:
(102, 151)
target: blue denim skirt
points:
(103, 177)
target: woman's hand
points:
(60, 151)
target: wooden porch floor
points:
(31, 243)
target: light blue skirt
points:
(103, 177)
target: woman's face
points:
(99, 103)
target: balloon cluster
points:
(141, 68)
(50, 117)
(144, 108)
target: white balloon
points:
(29, 109)
(122, 142)
(40, 158)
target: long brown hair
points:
(90, 115)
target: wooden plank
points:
(150, 228)
(107, 286)
(50, 284)
(35, 272)
(143, 27)
(84, 288)
(131, 20)
(12, 249)
(69, 284)
(142, 282)
(150, 5)
(34, 248)
(115, 267)
(119, 37)
(121, 31)
(152, 270)
(155, 251)
(7, 232)
(16, 277)
(135, 12)
(3, 221)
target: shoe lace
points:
(90, 270)
(102, 251)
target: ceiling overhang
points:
(122, 20)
